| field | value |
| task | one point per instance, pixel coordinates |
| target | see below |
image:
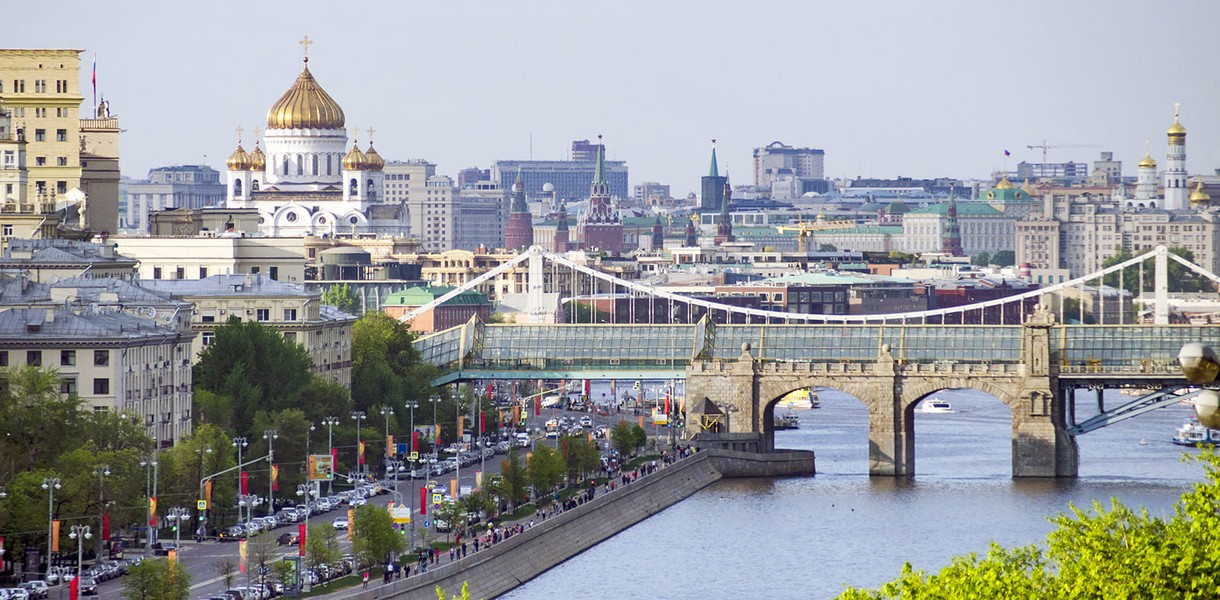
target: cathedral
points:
(304, 179)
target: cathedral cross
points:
(239, 130)
(306, 43)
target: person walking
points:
(365, 578)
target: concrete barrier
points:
(496, 570)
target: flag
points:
(360, 453)
(461, 427)
(241, 556)
(275, 478)
(423, 501)
(106, 526)
(414, 441)
(94, 80)
(301, 529)
(438, 434)
(537, 406)
(1007, 153)
(74, 588)
(351, 523)
(173, 557)
(245, 483)
(152, 511)
(207, 494)
(478, 479)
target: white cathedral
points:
(304, 184)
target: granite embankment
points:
(496, 570)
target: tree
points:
(341, 297)
(255, 367)
(37, 424)
(464, 595)
(579, 455)
(386, 367)
(982, 259)
(1102, 553)
(639, 437)
(374, 538)
(227, 570)
(1004, 258)
(1180, 278)
(515, 480)
(545, 468)
(622, 440)
(827, 248)
(321, 546)
(453, 513)
(157, 579)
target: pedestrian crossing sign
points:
(201, 504)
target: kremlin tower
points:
(600, 227)
(1177, 188)
(952, 244)
(519, 232)
(561, 229)
(724, 226)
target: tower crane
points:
(1045, 146)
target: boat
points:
(1192, 433)
(804, 399)
(788, 420)
(933, 405)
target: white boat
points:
(933, 405)
(1192, 433)
(800, 400)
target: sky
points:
(887, 88)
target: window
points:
(3, 358)
(208, 338)
(290, 314)
(67, 385)
(61, 135)
(6, 230)
(40, 135)
(61, 187)
(255, 270)
(180, 273)
(33, 358)
(101, 386)
(263, 314)
(274, 272)
(156, 272)
(203, 272)
(101, 358)
(67, 358)
(61, 161)
(40, 161)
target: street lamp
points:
(330, 423)
(50, 484)
(150, 464)
(310, 492)
(437, 438)
(178, 514)
(358, 416)
(386, 413)
(270, 435)
(240, 443)
(80, 533)
(249, 501)
(307, 436)
(102, 472)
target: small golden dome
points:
(239, 160)
(373, 161)
(1199, 197)
(1147, 162)
(355, 160)
(1004, 184)
(258, 160)
(1176, 130)
(305, 106)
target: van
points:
(523, 440)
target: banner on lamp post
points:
(245, 483)
(241, 556)
(55, 536)
(275, 478)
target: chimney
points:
(50, 315)
(107, 250)
(249, 279)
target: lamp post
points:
(102, 472)
(307, 436)
(149, 463)
(386, 413)
(178, 514)
(240, 443)
(436, 438)
(80, 533)
(50, 484)
(249, 501)
(412, 405)
(358, 416)
(271, 435)
(330, 423)
(199, 533)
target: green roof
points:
(421, 295)
(816, 278)
(977, 209)
(862, 229)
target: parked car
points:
(586, 421)
(16, 593)
(339, 523)
(37, 588)
(288, 539)
(232, 534)
(87, 586)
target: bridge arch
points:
(988, 436)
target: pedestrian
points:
(366, 579)
(450, 553)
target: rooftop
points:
(226, 285)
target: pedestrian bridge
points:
(736, 373)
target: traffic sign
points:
(436, 498)
(427, 524)
(401, 514)
(201, 504)
(414, 456)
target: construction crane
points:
(1045, 146)
(819, 224)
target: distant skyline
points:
(887, 88)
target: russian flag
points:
(94, 80)
(1007, 153)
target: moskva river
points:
(810, 537)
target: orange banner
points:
(389, 444)
(207, 494)
(152, 511)
(241, 556)
(55, 535)
(173, 557)
(461, 427)
(275, 478)
(641, 420)
(351, 523)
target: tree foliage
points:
(579, 455)
(342, 297)
(1110, 552)
(1004, 258)
(545, 468)
(1180, 278)
(374, 538)
(157, 579)
(622, 440)
(386, 368)
(514, 480)
(321, 545)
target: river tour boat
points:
(1192, 433)
(933, 405)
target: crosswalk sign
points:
(201, 504)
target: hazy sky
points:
(887, 88)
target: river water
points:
(809, 537)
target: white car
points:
(340, 523)
(586, 421)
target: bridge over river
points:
(736, 372)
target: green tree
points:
(579, 455)
(515, 480)
(622, 439)
(1004, 258)
(827, 248)
(321, 546)
(374, 538)
(1102, 553)
(463, 595)
(255, 367)
(453, 513)
(341, 297)
(386, 368)
(545, 468)
(639, 437)
(37, 424)
(157, 579)
(982, 259)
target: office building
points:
(777, 160)
(186, 186)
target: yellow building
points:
(42, 88)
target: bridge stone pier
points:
(746, 390)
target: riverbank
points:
(496, 570)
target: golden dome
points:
(1147, 162)
(373, 161)
(1176, 130)
(355, 160)
(258, 160)
(305, 106)
(1199, 196)
(239, 160)
(1004, 184)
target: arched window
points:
(285, 170)
(254, 186)
(315, 164)
(300, 166)
(237, 187)
(328, 159)
(353, 189)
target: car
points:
(586, 421)
(601, 432)
(17, 593)
(37, 588)
(87, 586)
(502, 447)
(288, 538)
(233, 533)
(576, 430)
(339, 523)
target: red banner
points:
(423, 501)
(245, 483)
(360, 453)
(241, 556)
(152, 511)
(334, 458)
(537, 406)
(74, 588)
(106, 526)
(301, 539)
(482, 422)
(415, 441)
(275, 478)
(489, 388)
(667, 404)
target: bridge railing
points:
(1124, 348)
